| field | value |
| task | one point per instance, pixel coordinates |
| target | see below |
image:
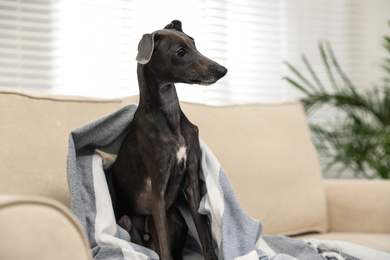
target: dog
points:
(160, 155)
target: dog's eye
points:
(181, 52)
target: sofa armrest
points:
(39, 228)
(358, 205)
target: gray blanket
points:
(236, 235)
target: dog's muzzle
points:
(221, 71)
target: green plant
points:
(359, 139)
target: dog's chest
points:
(181, 149)
(181, 154)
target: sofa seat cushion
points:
(358, 205)
(267, 153)
(372, 240)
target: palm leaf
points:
(359, 141)
(312, 73)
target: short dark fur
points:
(161, 153)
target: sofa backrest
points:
(34, 132)
(265, 150)
(267, 153)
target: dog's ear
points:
(145, 48)
(175, 24)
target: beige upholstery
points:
(265, 150)
(39, 228)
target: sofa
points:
(265, 150)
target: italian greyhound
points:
(160, 155)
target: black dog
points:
(161, 153)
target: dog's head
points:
(172, 54)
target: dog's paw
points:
(126, 223)
(210, 256)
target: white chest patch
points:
(182, 153)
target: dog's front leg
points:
(193, 193)
(160, 177)
(160, 220)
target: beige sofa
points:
(265, 150)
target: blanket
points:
(236, 235)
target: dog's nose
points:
(222, 71)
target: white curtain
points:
(88, 47)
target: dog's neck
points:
(155, 94)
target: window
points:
(88, 47)
(27, 44)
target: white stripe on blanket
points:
(214, 201)
(262, 245)
(251, 256)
